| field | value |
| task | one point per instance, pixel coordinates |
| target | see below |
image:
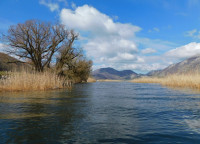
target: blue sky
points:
(140, 35)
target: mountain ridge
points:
(188, 66)
(8, 63)
(113, 74)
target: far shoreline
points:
(109, 80)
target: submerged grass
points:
(25, 81)
(183, 81)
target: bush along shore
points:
(178, 80)
(48, 53)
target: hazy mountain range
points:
(8, 63)
(110, 73)
(188, 66)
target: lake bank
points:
(32, 81)
(109, 80)
(174, 81)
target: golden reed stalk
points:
(24, 81)
(184, 81)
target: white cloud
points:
(53, 5)
(148, 51)
(155, 29)
(193, 33)
(3, 47)
(115, 44)
(73, 5)
(144, 67)
(115, 17)
(88, 18)
(185, 51)
(159, 45)
(6, 48)
(50, 5)
(108, 41)
(105, 49)
(171, 56)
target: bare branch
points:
(37, 41)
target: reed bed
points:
(109, 80)
(183, 81)
(91, 80)
(25, 81)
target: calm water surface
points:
(102, 112)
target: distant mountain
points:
(110, 73)
(153, 73)
(190, 65)
(8, 63)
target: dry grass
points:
(109, 80)
(91, 80)
(183, 81)
(25, 81)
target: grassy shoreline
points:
(31, 81)
(108, 80)
(179, 81)
(91, 80)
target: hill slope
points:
(110, 73)
(8, 63)
(190, 65)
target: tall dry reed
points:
(24, 81)
(184, 81)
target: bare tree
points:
(37, 41)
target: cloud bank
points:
(108, 42)
(185, 51)
(115, 44)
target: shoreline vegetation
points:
(30, 81)
(109, 80)
(175, 81)
(49, 54)
(91, 80)
(53, 60)
(24, 80)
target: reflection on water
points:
(21, 115)
(194, 125)
(101, 113)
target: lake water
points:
(102, 112)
